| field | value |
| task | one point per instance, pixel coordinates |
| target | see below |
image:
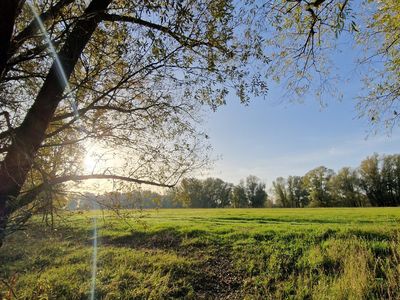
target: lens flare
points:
(64, 80)
(56, 58)
(94, 261)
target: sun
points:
(89, 163)
(98, 158)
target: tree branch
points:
(63, 179)
(33, 26)
(30, 195)
(180, 38)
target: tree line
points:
(135, 199)
(191, 193)
(214, 192)
(376, 182)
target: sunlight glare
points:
(90, 162)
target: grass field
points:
(209, 254)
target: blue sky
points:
(273, 137)
(269, 140)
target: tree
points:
(381, 40)
(238, 196)
(379, 179)
(316, 183)
(370, 180)
(297, 193)
(135, 199)
(208, 193)
(190, 193)
(305, 36)
(280, 192)
(390, 172)
(134, 72)
(290, 192)
(216, 192)
(345, 188)
(255, 191)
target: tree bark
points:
(9, 10)
(28, 137)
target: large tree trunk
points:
(28, 137)
(9, 10)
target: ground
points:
(208, 254)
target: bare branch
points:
(182, 39)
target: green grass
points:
(338, 253)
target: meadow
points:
(322, 253)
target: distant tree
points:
(238, 196)
(168, 200)
(135, 199)
(269, 203)
(297, 193)
(216, 192)
(376, 182)
(345, 188)
(316, 183)
(260, 196)
(280, 192)
(371, 181)
(390, 174)
(380, 179)
(255, 191)
(290, 192)
(208, 193)
(189, 193)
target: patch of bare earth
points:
(218, 279)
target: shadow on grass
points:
(291, 220)
(371, 235)
(168, 238)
